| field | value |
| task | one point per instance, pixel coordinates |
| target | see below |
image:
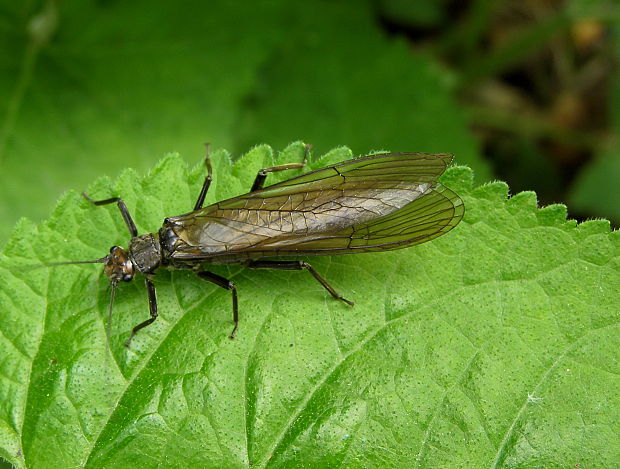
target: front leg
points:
(150, 287)
(131, 226)
(207, 181)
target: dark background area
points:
(538, 82)
(522, 91)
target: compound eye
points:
(127, 278)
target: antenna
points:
(55, 264)
(108, 326)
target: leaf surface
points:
(496, 345)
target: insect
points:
(378, 202)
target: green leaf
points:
(89, 87)
(496, 345)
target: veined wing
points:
(414, 167)
(302, 214)
(434, 213)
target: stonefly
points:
(378, 202)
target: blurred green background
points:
(524, 91)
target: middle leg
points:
(259, 181)
(228, 285)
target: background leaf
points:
(493, 346)
(87, 88)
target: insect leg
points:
(206, 183)
(228, 285)
(298, 265)
(121, 206)
(150, 287)
(262, 174)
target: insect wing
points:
(426, 218)
(435, 213)
(378, 202)
(386, 167)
